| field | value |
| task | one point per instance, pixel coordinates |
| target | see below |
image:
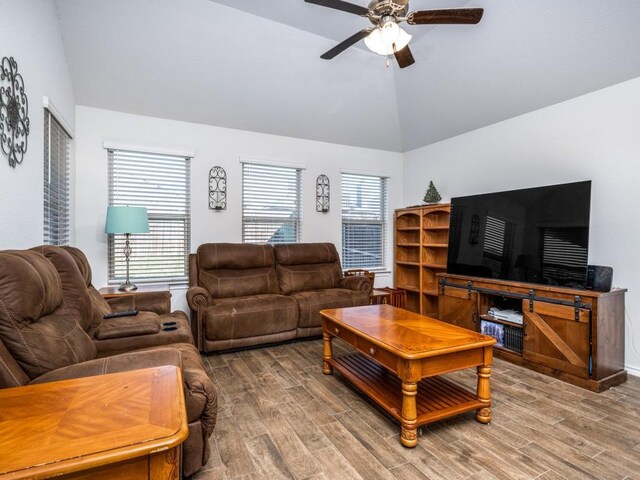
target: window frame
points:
(250, 224)
(56, 220)
(381, 220)
(162, 221)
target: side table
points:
(111, 292)
(396, 297)
(116, 426)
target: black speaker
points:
(599, 278)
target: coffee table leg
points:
(327, 354)
(483, 414)
(409, 431)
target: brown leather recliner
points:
(243, 295)
(154, 324)
(43, 339)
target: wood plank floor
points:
(280, 417)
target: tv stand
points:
(574, 335)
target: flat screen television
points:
(535, 235)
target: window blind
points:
(161, 183)
(56, 182)
(271, 204)
(564, 253)
(364, 213)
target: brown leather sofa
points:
(45, 315)
(243, 295)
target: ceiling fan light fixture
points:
(385, 42)
(389, 31)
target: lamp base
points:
(127, 287)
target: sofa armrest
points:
(118, 363)
(157, 302)
(358, 283)
(198, 299)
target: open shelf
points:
(412, 264)
(439, 266)
(437, 398)
(489, 318)
(409, 288)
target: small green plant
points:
(431, 195)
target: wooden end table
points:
(400, 355)
(115, 426)
(111, 292)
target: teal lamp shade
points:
(127, 220)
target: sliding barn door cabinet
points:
(574, 335)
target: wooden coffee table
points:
(399, 357)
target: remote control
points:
(128, 313)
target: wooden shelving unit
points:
(421, 243)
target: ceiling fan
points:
(386, 37)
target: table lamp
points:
(127, 220)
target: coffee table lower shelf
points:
(437, 398)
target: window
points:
(56, 182)
(161, 183)
(271, 204)
(364, 226)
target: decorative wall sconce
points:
(14, 112)
(217, 189)
(322, 194)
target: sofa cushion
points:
(216, 256)
(236, 270)
(239, 283)
(100, 307)
(310, 303)
(251, 316)
(74, 288)
(305, 253)
(36, 326)
(118, 363)
(307, 266)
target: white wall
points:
(223, 147)
(594, 137)
(29, 32)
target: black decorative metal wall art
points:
(217, 189)
(322, 194)
(14, 112)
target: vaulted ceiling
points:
(254, 65)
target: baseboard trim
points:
(633, 371)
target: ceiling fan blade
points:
(340, 5)
(447, 16)
(404, 57)
(341, 47)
